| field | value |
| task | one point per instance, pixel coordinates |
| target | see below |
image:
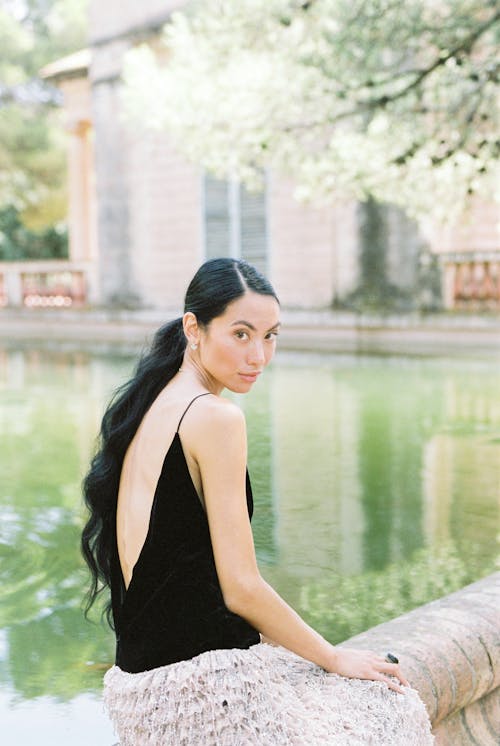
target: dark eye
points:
(241, 334)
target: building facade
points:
(145, 218)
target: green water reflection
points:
(376, 485)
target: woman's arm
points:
(217, 439)
(267, 640)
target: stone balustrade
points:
(51, 282)
(449, 650)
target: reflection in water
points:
(49, 413)
(376, 487)
(260, 447)
(360, 484)
(342, 606)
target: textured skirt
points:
(263, 696)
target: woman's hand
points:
(363, 664)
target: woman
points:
(169, 533)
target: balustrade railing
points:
(473, 283)
(44, 284)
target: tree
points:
(391, 99)
(32, 143)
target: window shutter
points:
(217, 218)
(235, 222)
(253, 228)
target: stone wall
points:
(149, 213)
(477, 231)
(313, 251)
(120, 18)
(449, 650)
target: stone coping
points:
(449, 650)
(295, 316)
(311, 331)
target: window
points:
(235, 222)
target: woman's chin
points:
(240, 387)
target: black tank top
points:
(173, 608)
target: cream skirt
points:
(263, 696)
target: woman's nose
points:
(257, 356)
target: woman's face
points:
(236, 346)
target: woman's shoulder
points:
(215, 435)
(216, 411)
(212, 421)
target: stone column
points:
(449, 277)
(78, 288)
(79, 179)
(115, 283)
(13, 287)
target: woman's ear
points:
(191, 328)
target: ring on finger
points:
(391, 658)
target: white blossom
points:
(397, 99)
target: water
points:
(376, 484)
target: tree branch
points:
(382, 101)
(465, 45)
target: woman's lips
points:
(250, 377)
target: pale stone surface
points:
(479, 230)
(450, 652)
(165, 229)
(116, 17)
(432, 335)
(70, 74)
(116, 284)
(313, 252)
(478, 724)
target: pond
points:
(376, 484)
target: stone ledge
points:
(325, 332)
(450, 652)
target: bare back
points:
(141, 469)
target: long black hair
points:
(215, 285)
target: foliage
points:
(32, 143)
(393, 99)
(18, 242)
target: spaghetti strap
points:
(184, 413)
